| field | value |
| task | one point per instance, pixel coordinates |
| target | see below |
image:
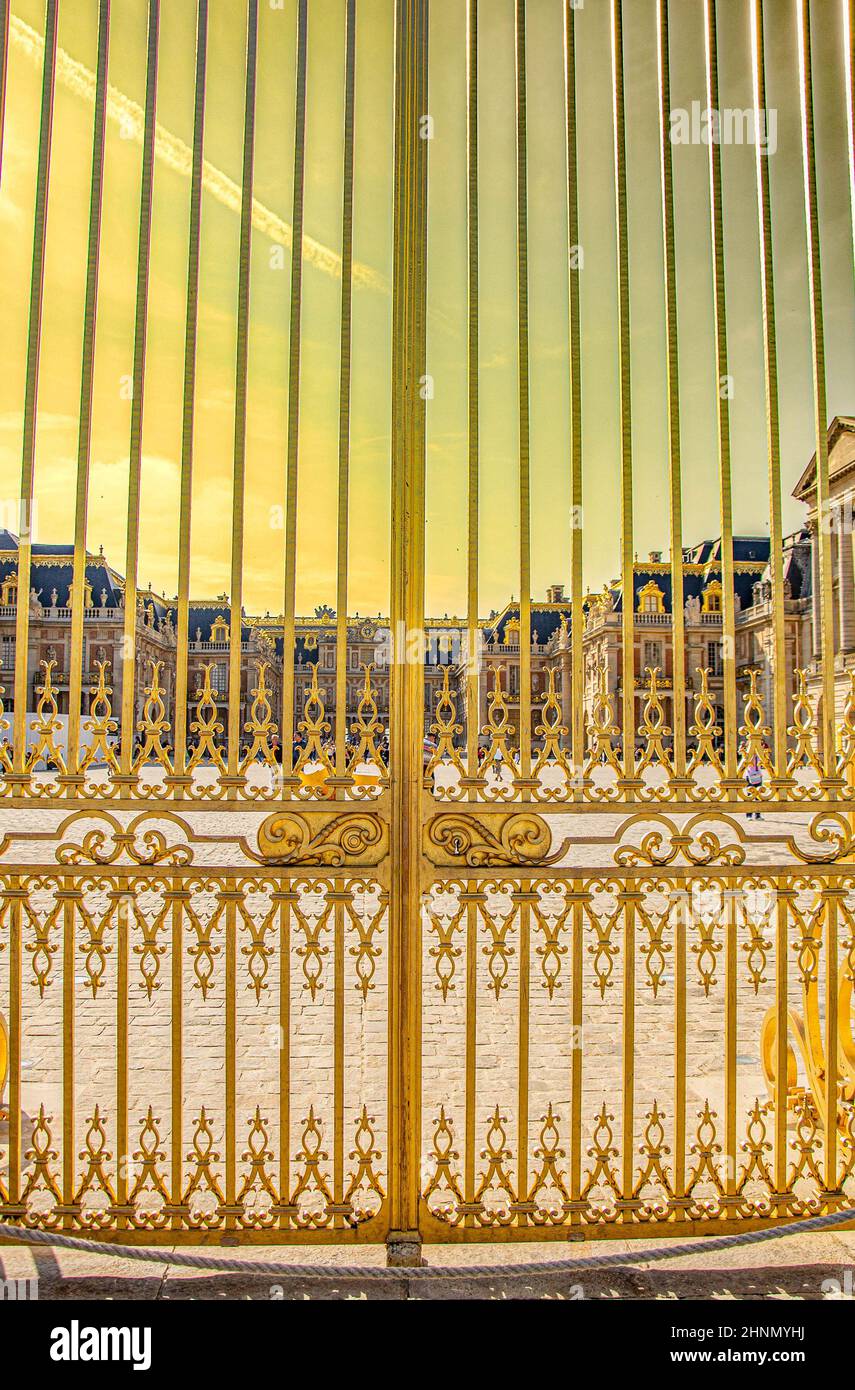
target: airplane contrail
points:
(176, 155)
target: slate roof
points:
(44, 578)
(744, 548)
(545, 620)
(202, 618)
(694, 583)
(750, 551)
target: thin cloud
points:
(178, 156)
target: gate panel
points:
(196, 944)
(643, 1000)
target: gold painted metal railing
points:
(212, 1040)
(537, 976)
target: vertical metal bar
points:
(834, 890)
(407, 615)
(28, 451)
(730, 1046)
(16, 932)
(122, 1148)
(135, 461)
(471, 1053)
(473, 653)
(849, 64)
(681, 926)
(826, 615)
(84, 436)
(292, 446)
(524, 1045)
(231, 1056)
(524, 425)
(241, 372)
(344, 394)
(338, 1047)
(722, 411)
(672, 373)
(780, 694)
(770, 358)
(180, 897)
(577, 617)
(629, 898)
(625, 367)
(182, 636)
(577, 1055)
(782, 898)
(5, 9)
(68, 1148)
(285, 1054)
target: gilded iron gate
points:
(356, 985)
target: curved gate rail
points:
(541, 979)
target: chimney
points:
(555, 593)
(655, 556)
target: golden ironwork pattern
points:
(126, 912)
(629, 1173)
(155, 773)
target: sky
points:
(59, 387)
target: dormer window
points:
(219, 630)
(651, 599)
(9, 591)
(712, 597)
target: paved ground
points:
(808, 1267)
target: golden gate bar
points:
(307, 1016)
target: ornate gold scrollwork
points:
(454, 838)
(704, 729)
(754, 732)
(846, 757)
(46, 725)
(101, 725)
(653, 728)
(314, 726)
(498, 730)
(5, 746)
(446, 728)
(142, 840)
(330, 839)
(695, 842)
(260, 724)
(602, 731)
(803, 731)
(153, 724)
(366, 727)
(830, 828)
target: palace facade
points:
(369, 638)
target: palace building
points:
(445, 656)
